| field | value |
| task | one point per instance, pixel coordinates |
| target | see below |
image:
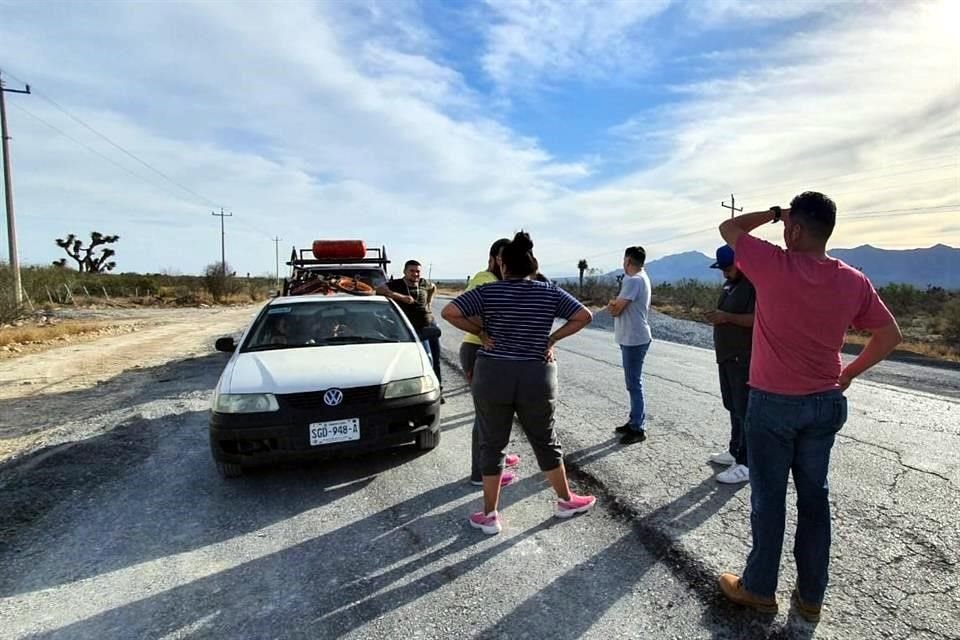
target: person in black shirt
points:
(732, 342)
(415, 296)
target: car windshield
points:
(330, 322)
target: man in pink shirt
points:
(806, 301)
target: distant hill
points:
(937, 266)
(689, 265)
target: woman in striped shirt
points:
(515, 372)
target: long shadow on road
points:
(146, 489)
(323, 587)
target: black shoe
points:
(624, 429)
(633, 437)
(443, 400)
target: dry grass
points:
(911, 344)
(679, 311)
(937, 350)
(33, 334)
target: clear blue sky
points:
(436, 127)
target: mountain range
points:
(937, 266)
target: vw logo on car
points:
(333, 397)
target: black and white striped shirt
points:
(518, 315)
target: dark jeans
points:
(432, 347)
(468, 357)
(633, 357)
(435, 357)
(734, 373)
(784, 434)
(527, 389)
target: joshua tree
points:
(87, 258)
(582, 266)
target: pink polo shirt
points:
(804, 307)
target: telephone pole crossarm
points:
(732, 206)
(223, 239)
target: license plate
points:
(334, 431)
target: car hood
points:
(306, 369)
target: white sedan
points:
(320, 374)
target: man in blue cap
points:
(732, 342)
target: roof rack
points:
(375, 255)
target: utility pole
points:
(8, 193)
(223, 240)
(733, 209)
(276, 243)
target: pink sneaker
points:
(488, 523)
(512, 460)
(576, 504)
(506, 479)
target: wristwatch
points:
(776, 211)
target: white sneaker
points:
(736, 474)
(723, 458)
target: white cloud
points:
(866, 110)
(533, 41)
(713, 12)
(322, 121)
(350, 138)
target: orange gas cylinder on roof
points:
(339, 249)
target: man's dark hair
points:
(637, 256)
(497, 246)
(411, 263)
(814, 212)
(517, 256)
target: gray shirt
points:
(631, 327)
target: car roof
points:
(319, 297)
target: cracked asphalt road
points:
(130, 533)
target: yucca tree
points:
(582, 266)
(86, 257)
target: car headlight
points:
(245, 403)
(410, 387)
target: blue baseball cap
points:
(724, 257)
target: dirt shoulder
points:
(52, 385)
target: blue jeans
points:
(633, 357)
(784, 434)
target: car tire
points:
(228, 470)
(427, 440)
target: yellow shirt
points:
(480, 279)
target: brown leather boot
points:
(732, 588)
(808, 611)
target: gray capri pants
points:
(527, 388)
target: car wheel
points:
(427, 440)
(228, 470)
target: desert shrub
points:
(950, 321)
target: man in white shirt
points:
(632, 332)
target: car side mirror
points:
(227, 345)
(429, 333)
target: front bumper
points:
(262, 438)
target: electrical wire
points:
(116, 145)
(80, 143)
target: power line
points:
(123, 150)
(83, 144)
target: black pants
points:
(527, 389)
(734, 374)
